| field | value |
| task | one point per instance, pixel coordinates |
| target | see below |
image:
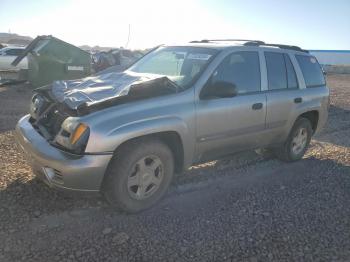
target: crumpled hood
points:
(96, 89)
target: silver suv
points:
(126, 133)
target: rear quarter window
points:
(291, 76)
(311, 70)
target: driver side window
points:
(242, 69)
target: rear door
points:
(283, 95)
(226, 125)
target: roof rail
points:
(224, 40)
(253, 43)
(289, 47)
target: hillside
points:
(14, 39)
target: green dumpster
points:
(50, 58)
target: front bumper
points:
(59, 168)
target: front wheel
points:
(297, 142)
(139, 175)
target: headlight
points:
(73, 135)
(78, 133)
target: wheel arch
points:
(171, 138)
(312, 116)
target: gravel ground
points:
(240, 208)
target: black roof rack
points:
(253, 43)
(290, 47)
(224, 40)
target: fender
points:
(115, 137)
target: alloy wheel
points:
(145, 178)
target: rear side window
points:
(311, 70)
(280, 71)
(241, 69)
(276, 70)
(291, 76)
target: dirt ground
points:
(244, 207)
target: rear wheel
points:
(297, 142)
(139, 175)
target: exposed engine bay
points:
(52, 104)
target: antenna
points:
(127, 42)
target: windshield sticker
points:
(180, 55)
(199, 56)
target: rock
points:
(253, 259)
(121, 238)
(107, 231)
(37, 213)
(183, 249)
(266, 214)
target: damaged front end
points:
(47, 115)
(50, 119)
(144, 90)
(55, 109)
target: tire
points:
(287, 152)
(130, 184)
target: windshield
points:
(181, 65)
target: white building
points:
(332, 57)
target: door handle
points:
(298, 100)
(257, 106)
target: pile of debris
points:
(49, 58)
(114, 60)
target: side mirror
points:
(219, 89)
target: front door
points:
(231, 124)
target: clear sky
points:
(311, 24)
